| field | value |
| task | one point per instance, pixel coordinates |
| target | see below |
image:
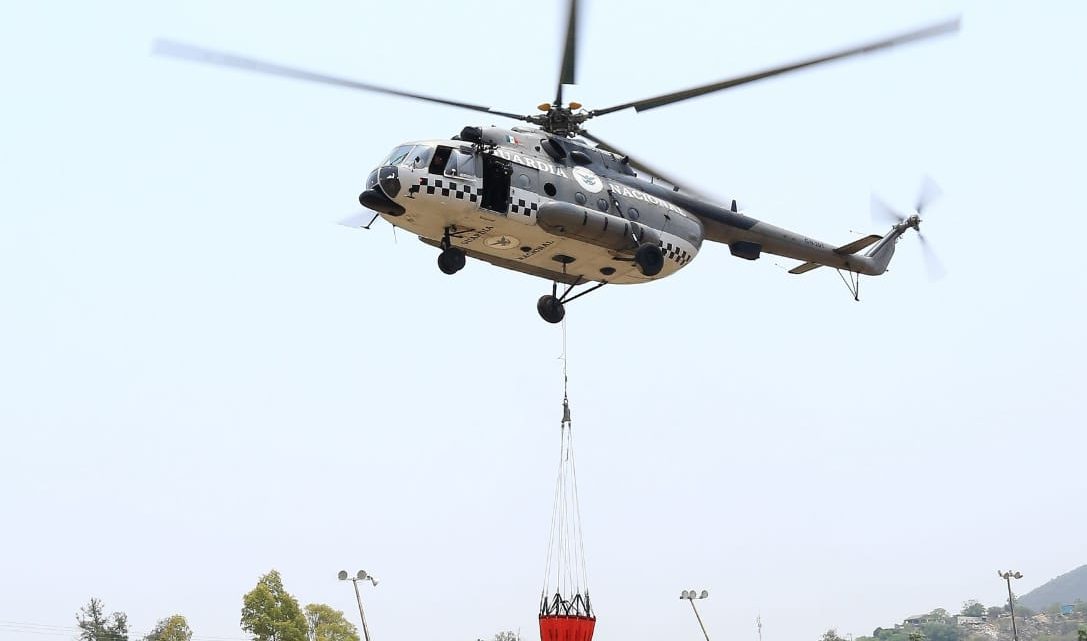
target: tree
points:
(326, 624)
(173, 628)
(972, 608)
(94, 625)
(506, 635)
(270, 613)
(995, 611)
(831, 635)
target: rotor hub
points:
(560, 120)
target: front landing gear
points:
(552, 307)
(452, 259)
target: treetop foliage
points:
(325, 623)
(172, 628)
(270, 613)
(95, 625)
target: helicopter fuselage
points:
(552, 207)
(534, 204)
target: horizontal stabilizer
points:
(857, 245)
(804, 268)
(844, 250)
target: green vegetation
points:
(327, 624)
(978, 623)
(95, 625)
(269, 613)
(174, 628)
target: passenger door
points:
(496, 183)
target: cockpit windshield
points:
(398, 155)
(410, 156)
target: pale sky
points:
(203, 377)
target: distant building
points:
(918, 619)
(1068, 609)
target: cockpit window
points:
(420, 157)
(398, 155)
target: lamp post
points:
(361, 575)
(692, 596)
(1008, 576)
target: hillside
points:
(1066, 588)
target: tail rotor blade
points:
(928, 194)
(933, 264)
(882, 212)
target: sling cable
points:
(566, 613)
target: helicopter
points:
(550, 199)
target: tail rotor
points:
(884, 213)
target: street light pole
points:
(1008, 576)
(691, 596)
(362, 575)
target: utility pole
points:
(1008, 576)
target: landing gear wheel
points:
(451, 260)
(650, 259)
(551, 308)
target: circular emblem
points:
(501, 242)
(589, 181)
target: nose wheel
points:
(552, 307)
(452, 259)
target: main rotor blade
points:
(667, 99)
(569, 53)
(639, 165)
(210, 56)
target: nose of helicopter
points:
(389, 180)
(382, 186)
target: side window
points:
(461, 164)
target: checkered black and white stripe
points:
(438, 186)
(519, 206)
(676, 253)
(524, 201)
